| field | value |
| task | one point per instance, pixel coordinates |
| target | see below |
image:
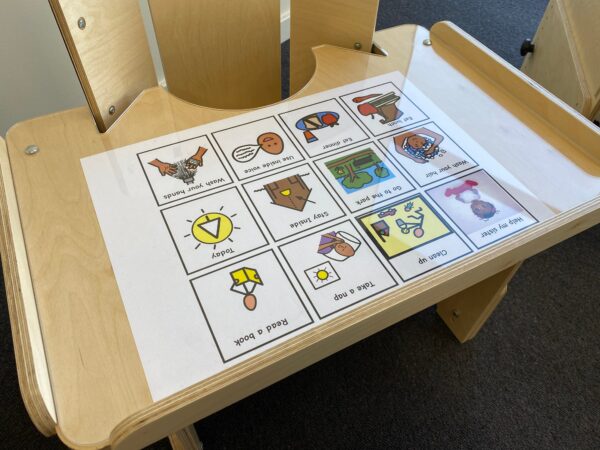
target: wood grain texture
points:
(466, 312)
(583, 20)
(100, 392)
(220, 54)
(185, 439)
(111, 54)
(556, 62)
(574, 138)
(30, 357)
(343, 23)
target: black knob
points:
(527, 47)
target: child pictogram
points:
(420, 145)
(338, 245)
(467, 193)
(245, 281)
(317, 121)
(184, 170)
(383, 105)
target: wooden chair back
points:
(214, 53)
(344, 23)
(224, 54)
(107, 42)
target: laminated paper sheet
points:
(230, 238)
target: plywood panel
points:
(107, 43)
(76, 295)
(466, 312)
(30, 356)
(220, 54)
(344, 23)
(555, 63)
(583, 22)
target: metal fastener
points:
(111, 110)
(456, 313)
(32, 149)
(427, 42)
(81, 23)
(357, 45)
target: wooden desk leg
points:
(466, 312)
(185, 439)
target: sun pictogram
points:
(212, 228)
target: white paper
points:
(230, 238)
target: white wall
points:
(36, 74)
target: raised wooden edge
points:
(534, 98)
(213, 394)
(32, 371)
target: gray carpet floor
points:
(530, 379)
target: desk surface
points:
(98, 387)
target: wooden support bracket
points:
(466, 312)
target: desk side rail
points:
(535, 99)
(30, 357)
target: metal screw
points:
(357, 45)
(427, 42)
(81, 23)
(32, 149)
(111, 110)
(456, 313)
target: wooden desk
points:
(86, 381)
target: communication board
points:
(229, 238)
